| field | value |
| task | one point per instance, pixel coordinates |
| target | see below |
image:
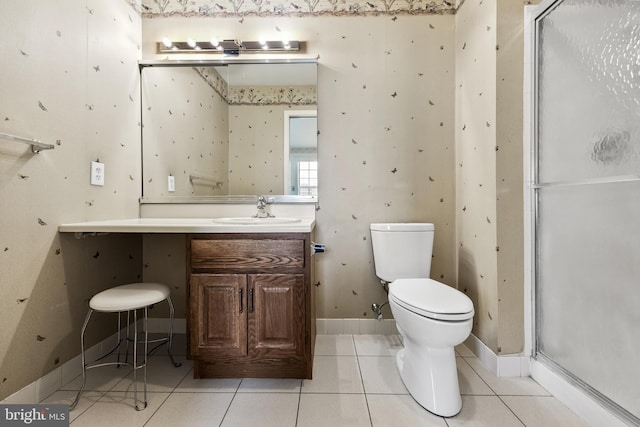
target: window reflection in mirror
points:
(301, 153)
(221, 130)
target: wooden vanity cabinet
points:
(250, 308)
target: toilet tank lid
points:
(401, 226)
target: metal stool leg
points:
(135, 359)
(82, 358)
(126, 348)
(170, 337)
(168, 340)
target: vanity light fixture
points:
(228, 47)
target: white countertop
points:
(184, 225)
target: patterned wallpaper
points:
(272, 95)
(79, 91)
(209, 8)
(385, 144)
(257, 95)
(186, 131)
(256, 158)
(214, 80)
(476, 123)
(489, 172)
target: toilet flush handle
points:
(317, 248)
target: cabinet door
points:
(218, 318)
(276, 315)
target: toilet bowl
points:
(432, 317)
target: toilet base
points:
(431, 376)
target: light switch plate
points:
(171, 183)
(97, 173)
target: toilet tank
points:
(402, 250)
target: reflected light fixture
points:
(228, 47)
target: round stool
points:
(128, 299)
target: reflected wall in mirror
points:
(225, 129)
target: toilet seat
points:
(432, 299)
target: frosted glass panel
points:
(589, 285)
(587, 234)
(589, 90)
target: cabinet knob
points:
(240, 298)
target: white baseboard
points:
(574, 398)
(161, 325)
(356, 326)
(516, 365)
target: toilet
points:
(431, 317)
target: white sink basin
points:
(248, 220)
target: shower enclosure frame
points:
(574, 392)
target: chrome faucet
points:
(262, 208)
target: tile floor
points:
(355, 384)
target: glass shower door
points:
(587, 187)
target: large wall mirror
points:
(218, 129)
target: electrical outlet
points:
(97, 173)
(171, 183)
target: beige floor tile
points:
(463, 351)
(517, 386)
(400, 410)
(334, 374)
(345, 367)
(87, 399)
(377, 345)
(484, 411)
(334, 345)
(380, 375)
(542, 411)
(469, 381)
(191, 409)
(270, 385)
(262, 409)
(210, 385)
(117, 409)
(333, 410)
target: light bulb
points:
(192, 43)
